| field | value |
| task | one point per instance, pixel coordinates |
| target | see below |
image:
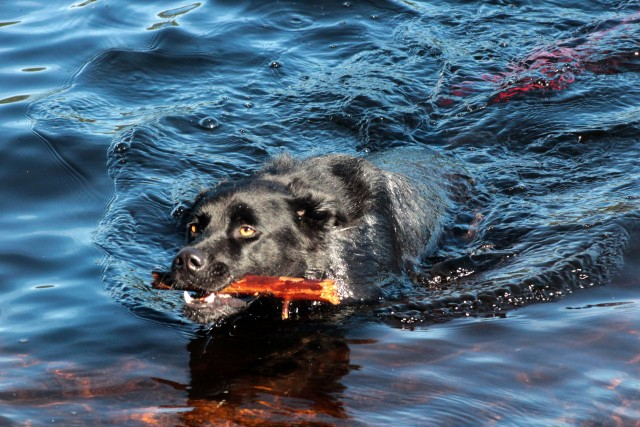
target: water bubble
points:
(346, 4)
(248, 104)
(121, 148)
(275, 64)
(24, 340)
(178, 211)
(209, 123)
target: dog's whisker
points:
(343, 229)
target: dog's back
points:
(403, 212)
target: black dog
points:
(334, 216)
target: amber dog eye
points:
(194, 228)
(247, 231)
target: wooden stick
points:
(286, 288)
(157, 281)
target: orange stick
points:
(286, 288)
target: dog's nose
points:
(191, 260)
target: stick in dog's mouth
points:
(287, 289)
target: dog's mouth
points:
(201, 305)
(211, 300)
(205, 306)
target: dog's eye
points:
(194, 229)
(197, 225)
(246, 231)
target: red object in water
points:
(556, 67)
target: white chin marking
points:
(210, 298)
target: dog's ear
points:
(313, 208)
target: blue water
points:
(115, 114)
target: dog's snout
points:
(190, 260)
(194, 262)
(219, 269)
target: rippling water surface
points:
(115, 114)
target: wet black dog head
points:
(266, 225)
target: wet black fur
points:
(334, 216)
